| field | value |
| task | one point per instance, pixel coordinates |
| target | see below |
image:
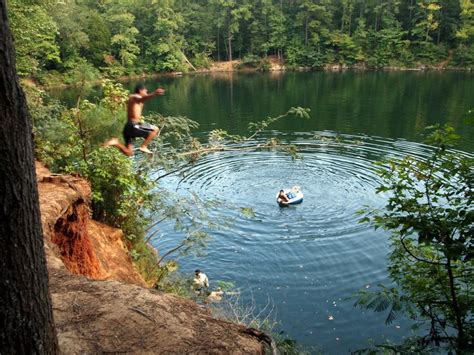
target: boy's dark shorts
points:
(134, 130)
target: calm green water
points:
(306, 261)
(390, 105)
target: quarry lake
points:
(304, 263)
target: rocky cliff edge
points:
(101, 303)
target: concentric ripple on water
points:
(307, 259)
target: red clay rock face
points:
(84, 246)
(112, 254)
(72, 238)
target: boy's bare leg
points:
(114, 142)
(148, 139)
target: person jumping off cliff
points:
(134, 127)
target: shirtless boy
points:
(134, 127)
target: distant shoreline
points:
(236, 66)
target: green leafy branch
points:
(221, 140)
(430, 215)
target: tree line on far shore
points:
(122, 37)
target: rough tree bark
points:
(26, 319)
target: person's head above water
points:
(139, 88)
(281, 191)
(197, 272)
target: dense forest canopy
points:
(125, 36)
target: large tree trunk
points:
(26, 318)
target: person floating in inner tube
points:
(282, 198)
(134, 127)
